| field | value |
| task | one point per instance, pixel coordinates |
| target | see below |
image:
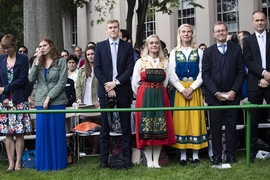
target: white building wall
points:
(166, 28)
(204, 21)
(67, 32)
(82, 26)
(246, 8)
(166, 25)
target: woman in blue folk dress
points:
(50, 71)
(189, 126)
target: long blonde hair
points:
(145, 51)
(179, 40)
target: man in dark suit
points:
(257, 59)
(113, 68)
(223, 75)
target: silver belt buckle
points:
(185, 79)
(190, 79)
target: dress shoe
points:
(252, 157)
(183, 163)
(231, 160)
(196, 161)
(216, 161)
(130, 163)
(103, 165)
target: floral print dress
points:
(14, 123)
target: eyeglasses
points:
(22, 52)
(219, 31)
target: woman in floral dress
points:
(13, 96)
(150, 78)
(189, 126)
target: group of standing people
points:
(220, 68)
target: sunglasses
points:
(22, 51)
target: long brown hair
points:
(88, 69)
(53, 53)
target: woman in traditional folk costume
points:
(150, 78)
(189, 126)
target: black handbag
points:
(118, 161)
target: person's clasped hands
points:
(225, 96)
(187, 93)
(109, 87)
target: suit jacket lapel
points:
(229, 54)
(119, 53)
(267, 52)
(107, 48)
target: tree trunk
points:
(42, 18)
(141, 14)
(130, 13)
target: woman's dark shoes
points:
(183, 163)
(196, 161)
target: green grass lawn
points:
(88, 168)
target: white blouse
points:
(87, 98)
(170, 75)
(74, 76)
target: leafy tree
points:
(11, 16)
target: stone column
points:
(42, 18)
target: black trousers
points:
(104, 137)
(256, 97)
(229, 119)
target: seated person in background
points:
(72, 62)
(86, 91)
(65, 54)
(202, 46)
(70, 92)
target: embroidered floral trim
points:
(191, 139)
(192, 57)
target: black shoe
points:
(183, 163)
(103, 165)
(216, 161)
(130, 163)
(196, 161)
(231, 160)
